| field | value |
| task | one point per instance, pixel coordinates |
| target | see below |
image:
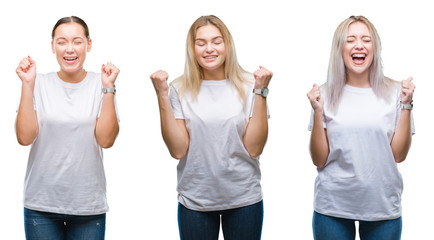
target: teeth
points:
(359, 55)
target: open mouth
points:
(359, 58)
(70, 59)
(210, 57)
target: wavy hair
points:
(193, 73)
(337, 78)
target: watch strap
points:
(407, 106)
(109, 90)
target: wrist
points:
(407, 106)
(28, 86)
(109, 90)
(318, 112)
(108, 85)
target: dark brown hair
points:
(71, 19)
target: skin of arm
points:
(256, 133)
(401, 140)
(319, 147)
(26, 123)
(174, 131)
(107, 127)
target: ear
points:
(89, 44)
(52, 46)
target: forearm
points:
(26, 122)
(319, 148)
(107, 127)
(257, 128)
(174, 131)
(401, 140)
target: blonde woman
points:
(214, 119)
(361, 128)
(68, 117)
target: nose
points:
(209, 48)
(359, 45)
(70, 48)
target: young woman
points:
(215, 121)
(361, 128)
(67, 116)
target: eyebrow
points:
(202, 39)
(64, 38)
(364, 36)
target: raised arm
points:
(174, 131)
(401, 140)
(107, 127)
(319, 147)
(257, 129)
(26, 122)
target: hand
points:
(26, 71)
(109, 74)
(262, 77)
(407, 90)
(159, 79)
(315, 99)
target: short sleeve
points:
(175, 103)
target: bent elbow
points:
(177, 155)
(23, 142)
(399, 159)
(107, 145)
(319, 165)
(255, 154)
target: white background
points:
(291, 38)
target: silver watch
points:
(407, 106)
(263, 92)
(109, 90)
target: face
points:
(209, 49)
(70, 46)
(358, 51)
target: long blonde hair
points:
(193, 73)
(336, 77)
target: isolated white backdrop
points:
(291, 38)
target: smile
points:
(70, 59)
(359, 58)
(210, 58)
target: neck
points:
(74, 77)
(359, 80)
(218, 74)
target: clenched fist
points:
(316, 99)
(159, 80)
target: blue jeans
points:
(53, 226)
(244, 223)
(334, 228)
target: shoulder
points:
(50, 75)
(93, 75)
(393, 86)
(44, 79)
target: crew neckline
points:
(214, 82)
(357, 89)
(71, 85)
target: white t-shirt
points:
(217, 172)
(65, 172)
(360, 180)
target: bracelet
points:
(109, 90)
(407, 106)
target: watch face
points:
(265, 92)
